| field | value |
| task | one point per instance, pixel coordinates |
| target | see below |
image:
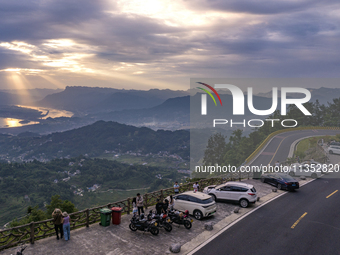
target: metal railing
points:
(42, 229)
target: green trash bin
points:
(257, 174)
(105, 217)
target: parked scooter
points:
(162, 220)
(143, 224)
(20, 249)
(180, 218)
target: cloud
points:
(133, 43)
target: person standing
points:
(58, 222)
(171, 202)
(66, 226)
(176, 188)
(195, 187)
(139, 203)
(165, 206)
(134, 207)
(159, 207)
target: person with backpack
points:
(58, 222)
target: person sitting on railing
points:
(58, 222)
(66, 226)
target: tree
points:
(56, 202)
(215, 150)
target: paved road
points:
(268, 230)
(278, 148)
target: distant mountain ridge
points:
(323, 95)
(93, 99)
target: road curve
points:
(278, 148)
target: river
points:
(50, 112)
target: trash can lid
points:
(105, 210)
(116, 209)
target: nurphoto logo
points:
(238, 104)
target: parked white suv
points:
(334, 149)
(240, 192)
(198, 204)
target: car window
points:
(236, 189)
(226, 188)
(253, 189)
(205, 201)
(182, 197)
(193, 199)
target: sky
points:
(135, 44)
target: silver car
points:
(239, 192)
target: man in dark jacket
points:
(159, 207)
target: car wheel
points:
(187, 224)
(314, 176)
(213, 197)
(279, 186)
(198, 214)
(330, 152)
(292, 174)
(132, 227)
(244, 203)
(262, 179)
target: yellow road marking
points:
(296, 222)
(278, 149)
(332, 194)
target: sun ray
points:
(56, 83)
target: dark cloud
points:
(258, 7)
(283, 38)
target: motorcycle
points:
(143, 225)
(162, 220)
(180, 218)
(20, 249)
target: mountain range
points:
(94, 140)
(87, 100)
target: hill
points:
(94, 140)
(174, 113)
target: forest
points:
(33, 184)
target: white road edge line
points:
(236, 221)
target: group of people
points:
(61, 223)
(61, 220)
(196, 187)
(161, 206)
